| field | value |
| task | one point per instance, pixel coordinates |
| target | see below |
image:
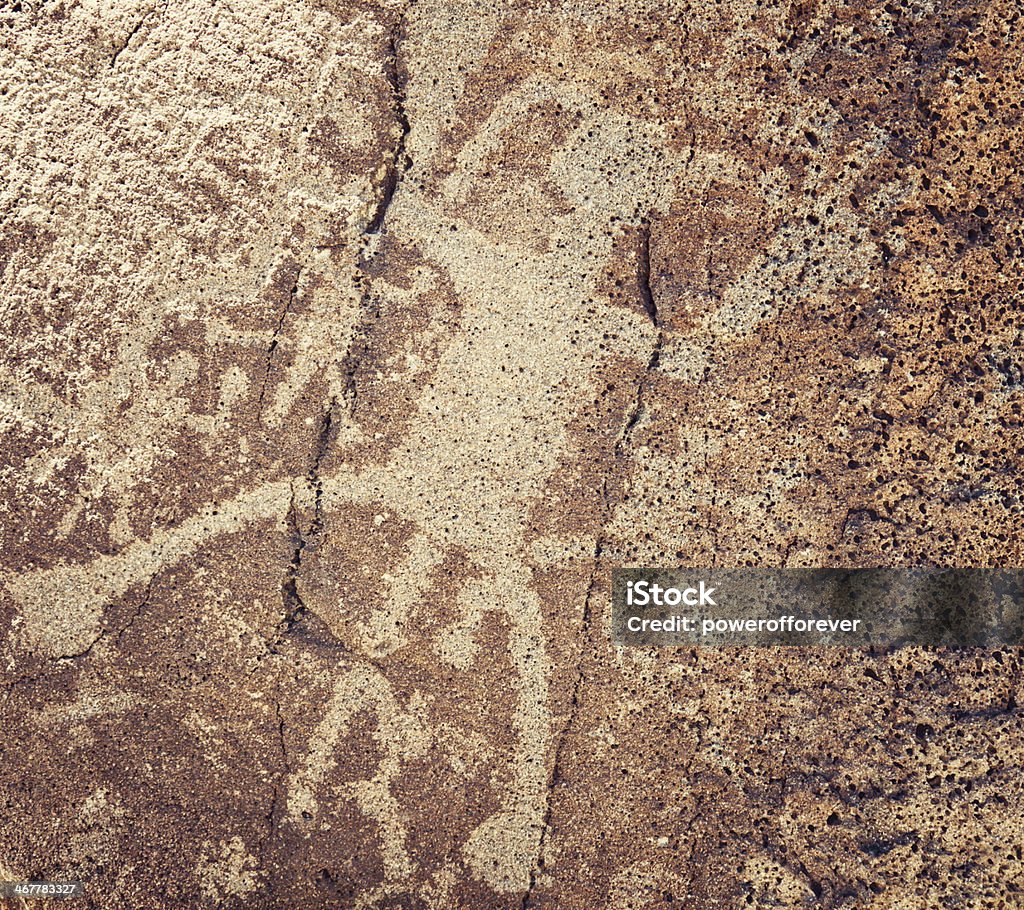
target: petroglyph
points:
(347, 348)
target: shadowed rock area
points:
(346, 348)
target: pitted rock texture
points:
(348, 347)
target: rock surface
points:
(348, 346)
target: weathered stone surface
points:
(347, 347)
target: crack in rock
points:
(271, 814)
(128, 39)
(556, 768)
(401, 161)
(272, 347)
(105, 633)
(118, 634)
(294, 607)
(394, 72)
(650, 306)
(643, 273)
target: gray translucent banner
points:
(41, 890)
(846, 607)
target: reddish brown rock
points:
(348, 348)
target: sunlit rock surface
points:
(346, 348)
